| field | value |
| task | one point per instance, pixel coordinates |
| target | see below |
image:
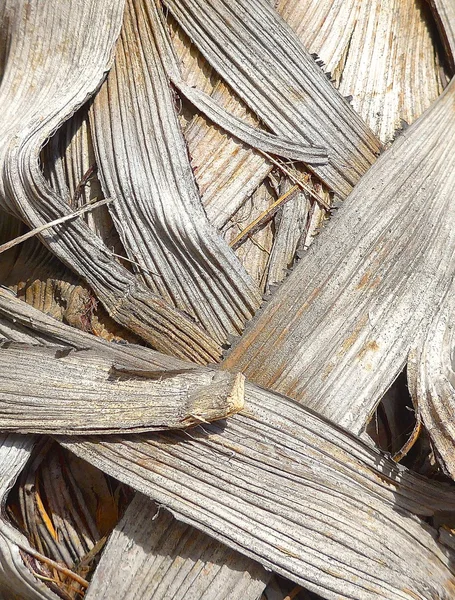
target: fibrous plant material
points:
(19, 563)
(297, 494)
(36, 102)
(185, 259)
(444, 12)
(226, 170)
(290, 231)
(276, 482)
(170, 561)
(378, 53)
(21, 322)
(339, 331)
(66, 508)
(431, 367)
(55, 390)
(253, 250)
(32, 271)
(248, 44)
(431, 379)
(70, 167)
(260, 498)
(224, 148)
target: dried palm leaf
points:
(430, 369)
(36, 101)
(158, 211)
(254, 250)
(432, 381)
(170, 560)
(54, 390)
(290, 228)
(226, 170)
(44, 282)
(248, 45)
(444, 13)
(379, 53)
(296, 493)
(340, 330)
(370, 491)
(441, 583)
(69, 165)
(31, 325)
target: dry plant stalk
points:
(55, 390)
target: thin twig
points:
(33, 232)
(263, 218)
(43, 578)
(295, 180)
(293, 593)
(54, 565)
(410, 442)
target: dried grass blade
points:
(302, 456)
(55, 390)
(263, 218)
(378, 53)
(431, 377)
(158, 210)
(36, 102)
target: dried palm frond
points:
(218, 147)
(171, 560)
(339, 331)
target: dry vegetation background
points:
(227, 244)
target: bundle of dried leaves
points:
(227, 289)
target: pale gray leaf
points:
(57, 390)
(379, 53)
(299, 472)
(152, 555)
(36, 101)
(431, 376)
(340, 330)
(248, 45)
(296, 493)
(158, 211)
